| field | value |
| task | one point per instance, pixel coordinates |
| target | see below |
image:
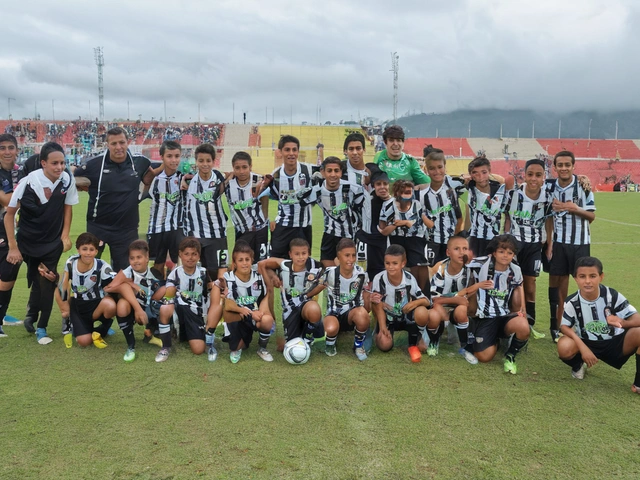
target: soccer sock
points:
(47, 290)
(576, 362)
(126, 325)
(412, 335)
(165, 335)
(463, 333)
(5, 299)
(553, 307)
(531, 311)
(264, 339)
(309, 328)
(330, 340)
(515, 347)
(210, 336)
(358, 338)
(435, 333)
(105, 325)
(636, 382)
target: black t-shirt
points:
(30, 164)
(117, 209)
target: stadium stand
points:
(456, 147)
(236, 138)
(494, 148)
(582, 148)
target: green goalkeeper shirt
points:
(405, 168)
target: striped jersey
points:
(444, 283)
(356, 177)
(396, 296)
(166, 210)
(485, 210)
(294, 284)
(494, 302)
(295, 195)
(588, 318)
(246, 211)
(567, 227)
(344, 294)
(342, 209)
(204, 216)
(391, 213)
(442, 207)
(527, 215)
(89, 285)
(148, 283)
(191, 290)
(246, 294)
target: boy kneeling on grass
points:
(598, 323)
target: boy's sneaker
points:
(414, 354)
(235, 356)
(579, 375)
(111, 332)
(535, 334)
(264, 355)
(42, 337)
(162, 355)
(66, 326)
(68, 340)
(98, 341)
(130, 355)
(331, 350)
(212, 354)
(468, 356)
(2, 334)
(432, 349)
(555, 335)
(360, 353)
(28, 324)
(510, 366)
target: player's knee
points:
(567, 348)
(421, 316)
(84, 340)
(311, 312)
(485, 356)
(331, 326)
(266, 323)
(460, 314)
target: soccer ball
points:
(296, 351)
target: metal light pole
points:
(9, 105)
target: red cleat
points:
(414, 353)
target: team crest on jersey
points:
(171, 198)
(256, 285)
(303, 180)
(199, 282)
(93, 278)
(212, 184)
(204, 197)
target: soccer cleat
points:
(111, 332)
(330, 350)
(414, 354)
(579, 375)
(432, 349)
(162, 355)
(468, 356)
(212, 353)
(42, 337)
(68, 340)
(28, 324)
(2, 334)
(535, 334)
(360, 353)
(66, 326)
(98, 341)
(9, 320)
(555, 335)
(151, 340)
(130, 355)
(235, 356)
(510, 366)
(264, 355)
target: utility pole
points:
(165, 112)
(394, 68)
(53, 109)
(100, 63)
(9, 105)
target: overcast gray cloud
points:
(293, 56)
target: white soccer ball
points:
(296, 351)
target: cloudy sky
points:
(290, 58)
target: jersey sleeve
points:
(106, 275)
(172, 279)
(419, 177)
(569, 315)
(623, 308)
(387, 213)
(375, 286)
(230, 281)
(72, 192)
(18, 192)
(416, 291)
(90, 170)
(141, 164)
(437, 283)
(517, 278)
(590, 203)
(128, 272)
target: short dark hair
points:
(242, 247)
(299, 242)
(169, 145)
(396, 251)
(345, 243)
(206, 148)
(394, 131)
(332, 161)
(400, 186)
(588, 262)
(87, 238)
(284, 139)
(565, 153)
(241, 156)
(534, 161)
(7, 137)
(139, 246)
(456, 237)
(117, 131)
(502, 241)
(479, 162)
(354, 137)
(434, 156)
(430, 149)
(48, 148)
(190, 242)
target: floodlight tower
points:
(100, 63)
(394, 69)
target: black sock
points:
(434, 334)
(515, 347)
(5, 299)
(412, 335)
(47, 291)
(636, 382)
(553, 307)
(105, 325)
(358, 338)
(463, 333)
(126, 325)
(264, 339)
(309, 328)
(531, 311)
(328, 341)
(575, 363)
(165, 335)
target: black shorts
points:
(294, 324)
(328, 247)
(414, 246)
(486, 331)
(530, 258)
(8, 271)
(190, 323)
(436, 252)
(343, 320)
(214, 253)
(281, 238)
(545, 260)
(478, 246)
(405, 323)
(81, 315)
(374, 248)
(240, 330)
(565, 256)
(610, 351)
(162, 243)
(258, 240)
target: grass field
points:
(84, 413)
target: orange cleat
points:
(414, 353)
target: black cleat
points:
(28, 324)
